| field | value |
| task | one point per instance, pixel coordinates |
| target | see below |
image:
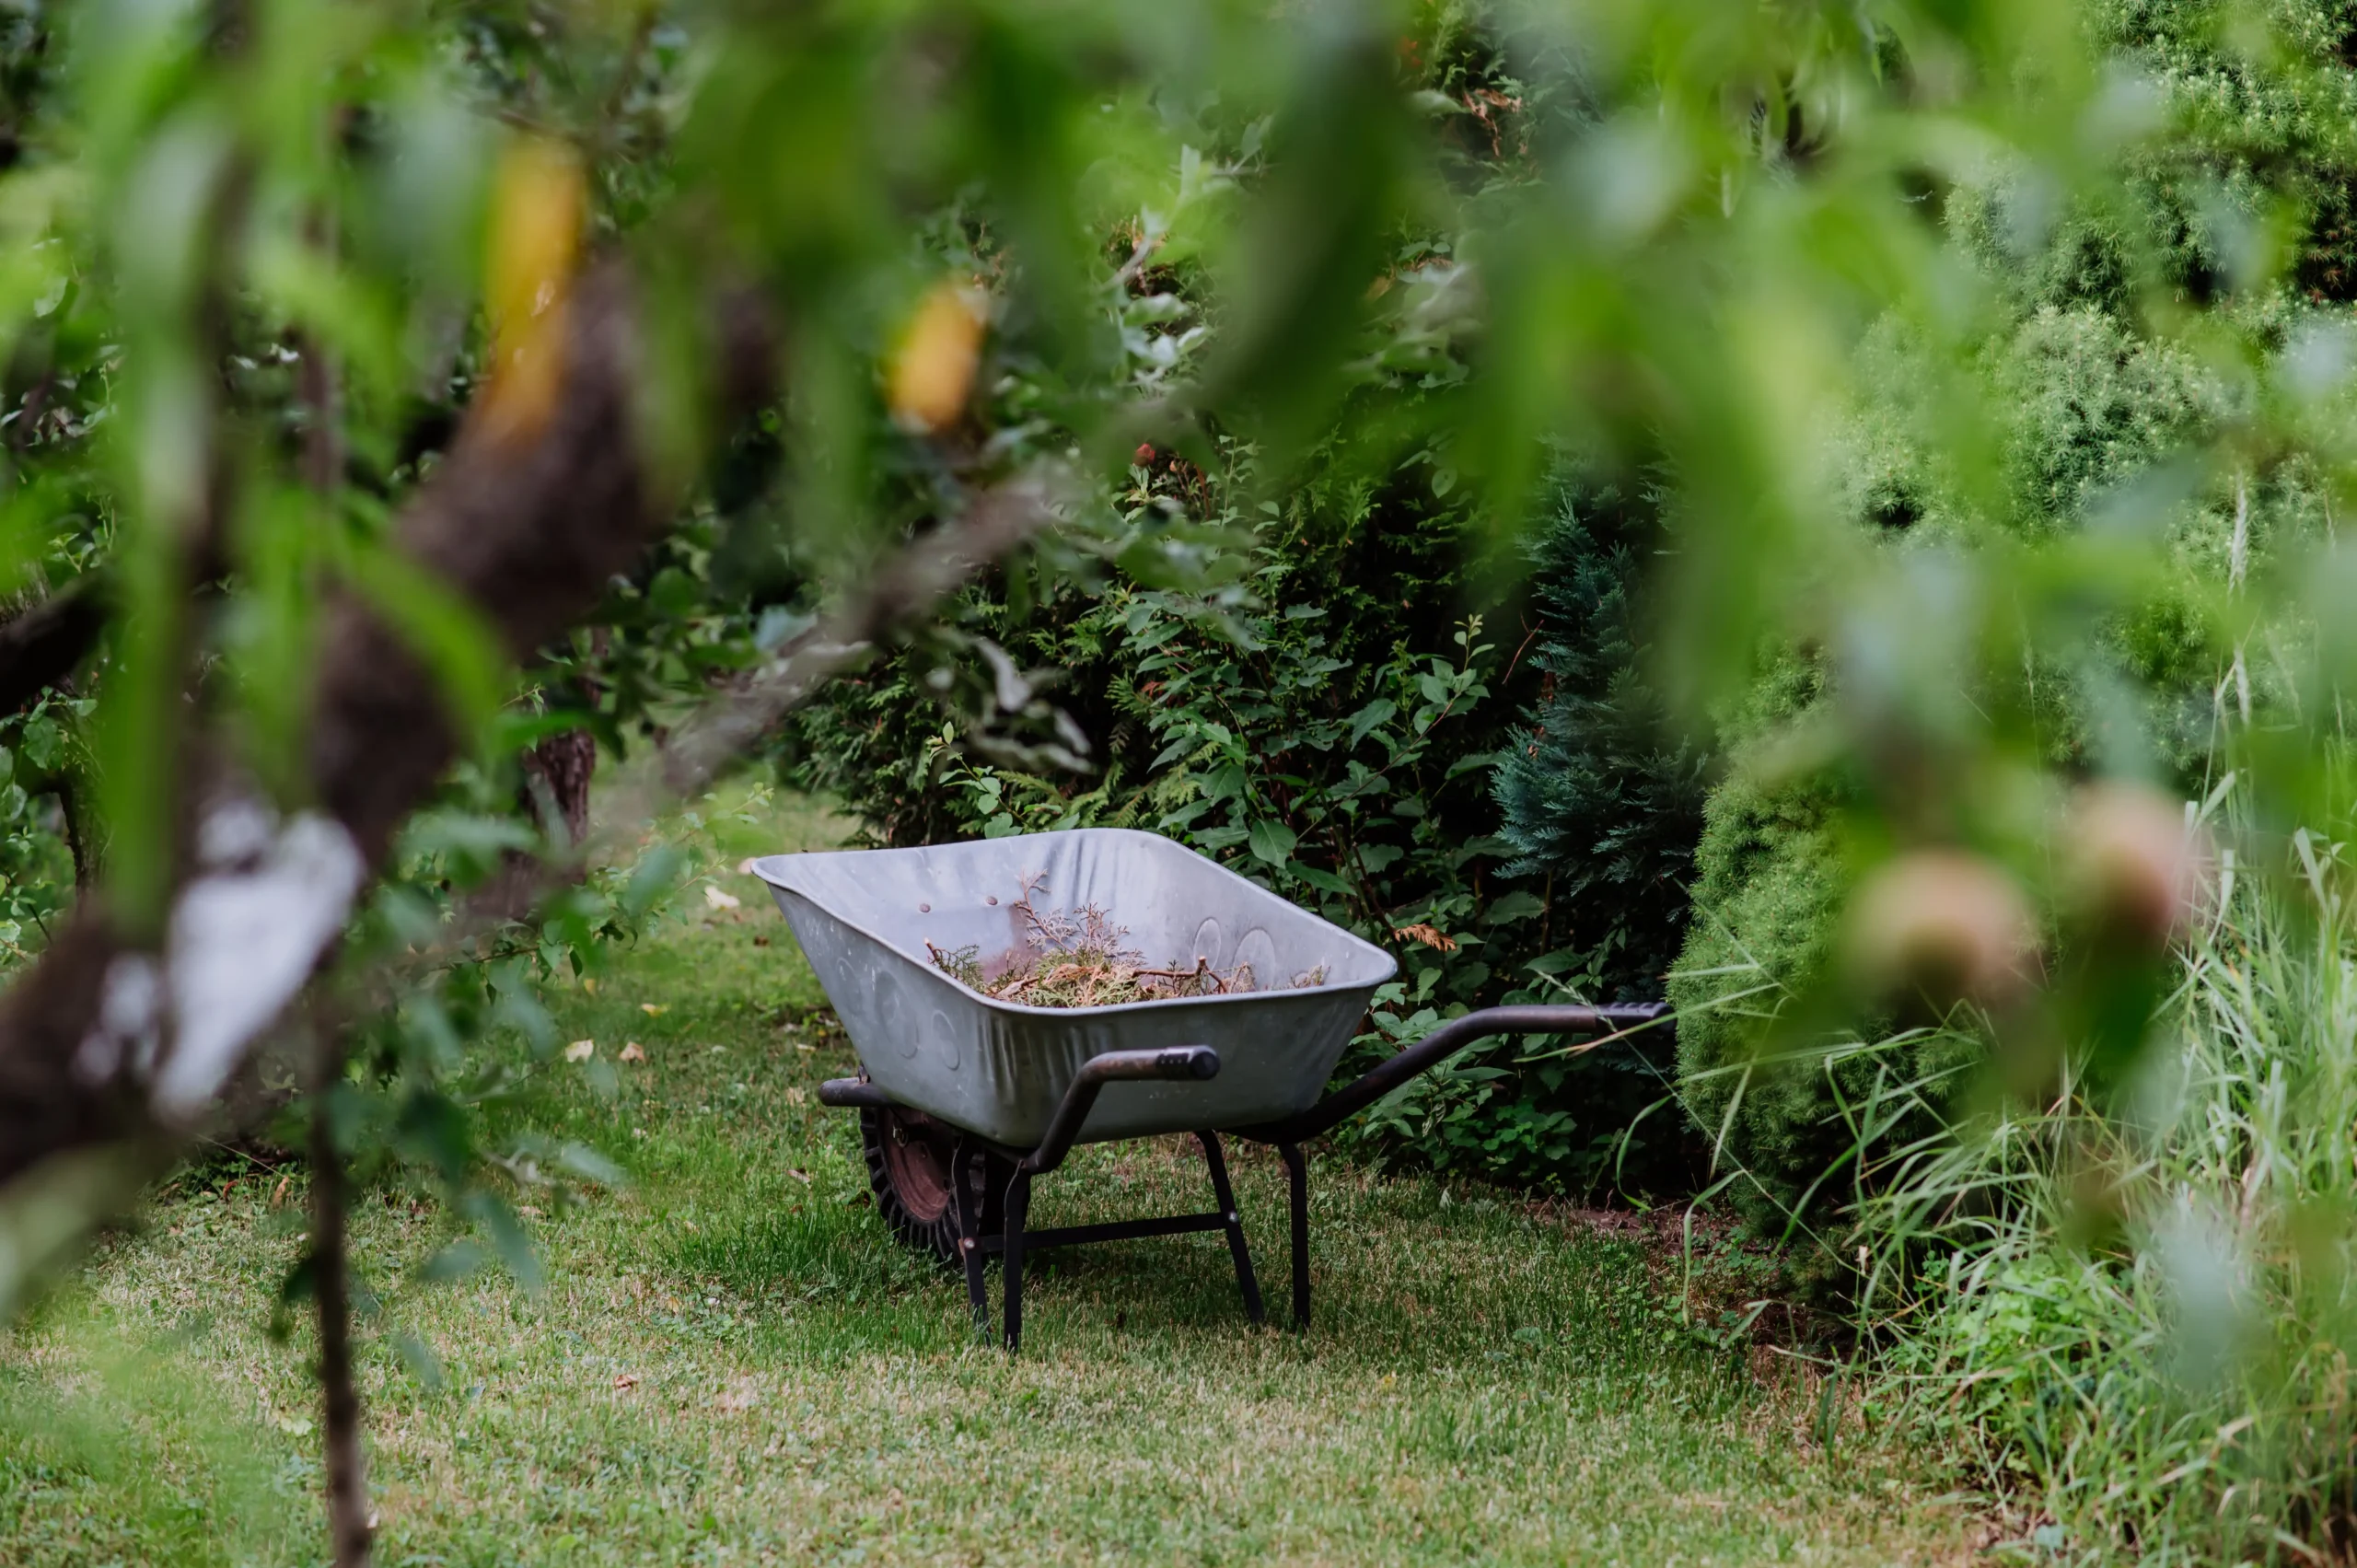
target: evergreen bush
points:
(1599, 795)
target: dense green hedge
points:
(1378, 715)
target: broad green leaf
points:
(1520, 904)
(509, 1241)
(1325, 881)
(418, 1357)
(1378, 712)
(1271, 842)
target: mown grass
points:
(731, 1362)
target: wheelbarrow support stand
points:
(1444, 1042)
(970, 1161)
(971, 1155)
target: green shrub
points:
(2094, 407)
(1770, 883)
(1326, 724)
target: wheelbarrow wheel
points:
(910, 1158)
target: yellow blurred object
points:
(535, 240)
(932, 369)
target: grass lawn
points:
(730, 1360)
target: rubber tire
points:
(907, 1170)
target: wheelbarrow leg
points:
(1298, 1179)
(969, 1168)
(1018, 1204)
(1234, 1228)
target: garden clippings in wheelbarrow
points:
(1076, 958)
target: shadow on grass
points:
(829, 1275)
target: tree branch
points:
(104, 1043)
(49, 640)
(910, 585)
(108, 1052)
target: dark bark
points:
(556, 778)
(46, 1104)
(347, 1489)
(48, 641)
(323, 400)
(347, 1472)
(85, 833)
(530, 530)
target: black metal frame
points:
(969, 1159)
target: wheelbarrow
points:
(965, 1099)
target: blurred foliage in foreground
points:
(2150, 379)
(1991, 363)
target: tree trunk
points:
(331, 1289)
(526, 525)
(76, 785)
(556, 776)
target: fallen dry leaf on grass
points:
(719, 897)
(581, 1051)
(278, 1194)
(652, 1009)
(631, 1052)
(625, 1379)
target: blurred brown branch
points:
(529, 531)
(906, 586)
(44, 642)
(527, 527)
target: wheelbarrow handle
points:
(1437, 1046)
(1178, 1064)
(853, 1094)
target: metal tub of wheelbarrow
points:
(966, 1098)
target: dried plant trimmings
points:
(1075, 958)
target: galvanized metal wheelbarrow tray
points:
(965, 1099)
